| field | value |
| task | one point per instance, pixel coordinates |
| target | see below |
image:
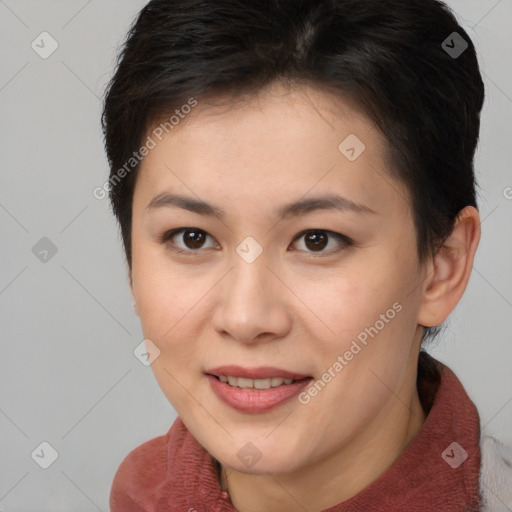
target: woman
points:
(294, 185)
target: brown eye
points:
(186, 239)
(316, 240)
(193, 239)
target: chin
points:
(255, 459)
(262, 467)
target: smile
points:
(255, 390)
(245, 383)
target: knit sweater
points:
(441, 469)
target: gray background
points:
(68, 375)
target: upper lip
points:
(260, 372)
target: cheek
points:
(163, 290)
(352, 302)
(371, 317)
(173, 302)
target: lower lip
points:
(255, 400)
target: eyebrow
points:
(300, 207)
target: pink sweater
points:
(174, 473)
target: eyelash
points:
(346, 241)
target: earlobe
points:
(450, 269)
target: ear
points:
(449, 270)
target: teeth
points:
(242, 382)
(259, 383)
(276, 381)
(246, 383)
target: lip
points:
(255, 400)
(260, 372)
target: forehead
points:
(291, 141)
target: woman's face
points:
(328, 289)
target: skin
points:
(295, 307)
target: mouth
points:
(245, 383)
(257, 389)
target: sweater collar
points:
(438, 470)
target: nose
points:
(253, 305)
